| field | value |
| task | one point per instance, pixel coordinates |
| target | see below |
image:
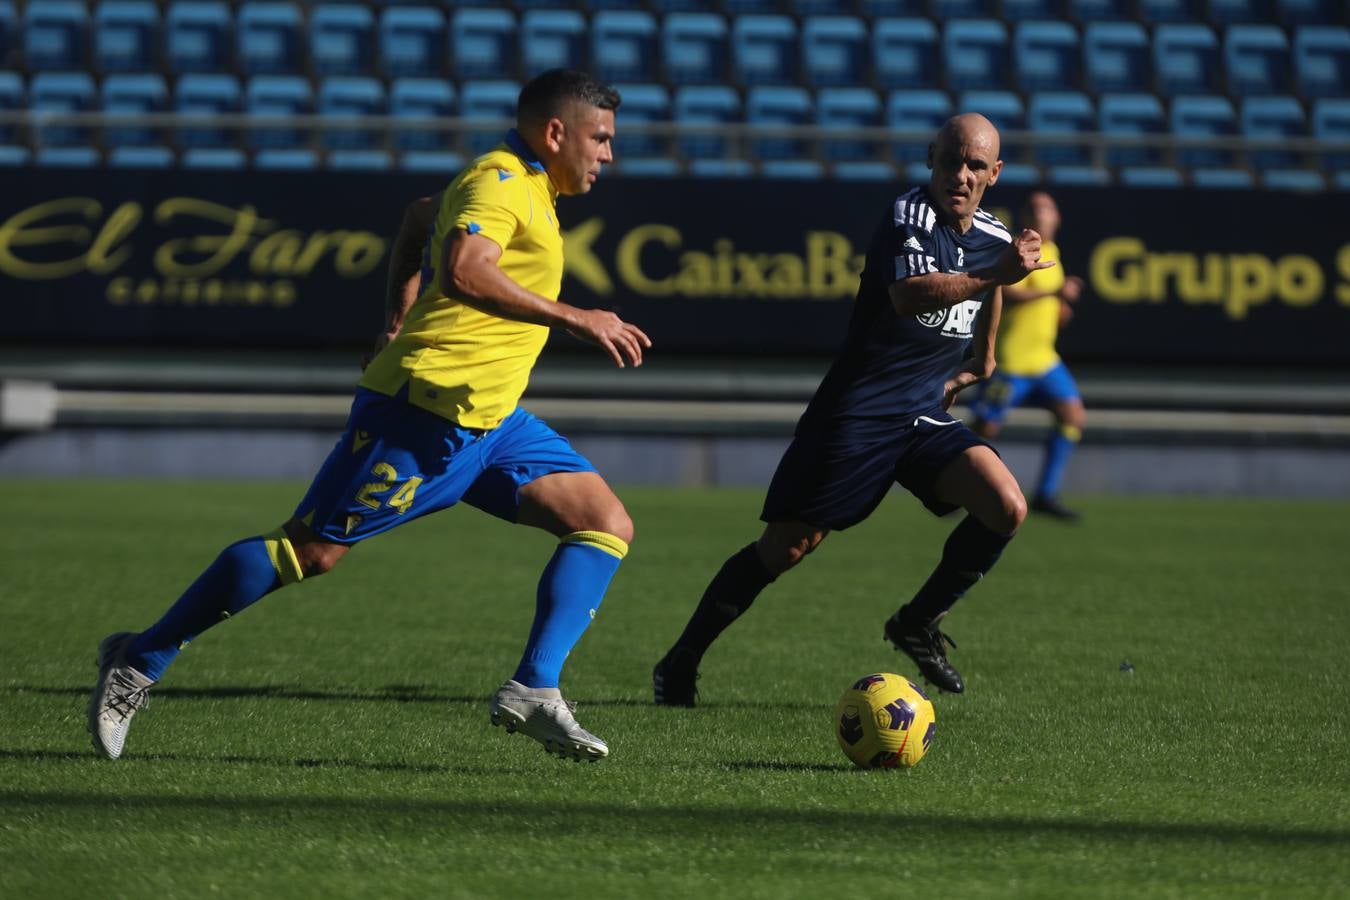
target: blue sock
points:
(970, 552)
(570, 591)
(1058, 449)
(243, 573)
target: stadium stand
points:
(1106, 80)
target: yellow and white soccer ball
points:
(884, 721)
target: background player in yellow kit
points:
(435, 421)
(1030, 371)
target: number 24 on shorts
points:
(388, 479)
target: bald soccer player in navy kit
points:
(922, 329)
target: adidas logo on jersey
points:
(913, 244)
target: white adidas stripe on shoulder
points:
(912, 208)
(990, 225)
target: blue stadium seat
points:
(286, 158)
(976, 54)
(1099, 10)
(268, 35)
(1310, 12)
(1304, 181)
(67, 158)
(1186, 58)
(1116, 56)
(13, 98)
(1204, 116)
(764, 50)
(277, 98)
(695, 49)
(1127, 115)
(1256, 59)
(1160, 12)
(1078, 176)
(706, 105)
(905, 53)
(200, 94)
(552, 39)
(61, 92)
(152, 157)
(126, 36)
(778, 106)
(848, 108)
(1150, 177)
(360, 160)
(872, 170)
(1025, 174)
(918, 112)
(483, 43)
(1005, 110)
(642, 103)
(792, 169)
(721, 168)
(226, 159)
(1240, 12)
(412, 41)
(623, 46)
(133, 93)
(647, 167)
(1331, 122)
(1061, 113)
(1033, 10)
(342, 39)
(1272, 118)
(199, 36)
(1222, 179)
(348, 95)
(56, 35)
(834, 51)
(488, 100)
(1047, 55)
(444, 162)
(430, 99)
(1322, 60)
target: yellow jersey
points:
(458, 362)
(1027, 331)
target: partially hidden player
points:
(929, 294)
(1030, 371)
(435, 421)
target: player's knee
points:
(780, 553)
(312, 554)
(613, 519)
(1013, 510)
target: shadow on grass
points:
(393, 693)
(299, 763)
(676, 821)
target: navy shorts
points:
(834, 476)
(396, 462)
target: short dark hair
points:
(545, 95)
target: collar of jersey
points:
(522, 149)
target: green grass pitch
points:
(334, 740)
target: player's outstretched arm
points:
(938, 290)
(473, 276)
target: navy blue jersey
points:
(893, 366)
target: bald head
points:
(964, 160)
(969, 129)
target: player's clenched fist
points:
(1022, 257)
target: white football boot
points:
(543, 714)
(119, 693)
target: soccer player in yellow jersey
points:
(436, 421)
(1029, 370)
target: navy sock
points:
(728, 596)
(243, 573)
(971, 551)
(570, 591)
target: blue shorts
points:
(1002, 392)
(396, 462)
(834, 475)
